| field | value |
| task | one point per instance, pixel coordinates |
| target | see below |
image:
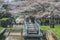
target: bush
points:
(4, 22)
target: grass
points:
(4, 19)
(56, 30)
(1, 28)
(16, 27)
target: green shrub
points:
(4, 22)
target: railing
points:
(37, 27)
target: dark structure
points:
(31, 30)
